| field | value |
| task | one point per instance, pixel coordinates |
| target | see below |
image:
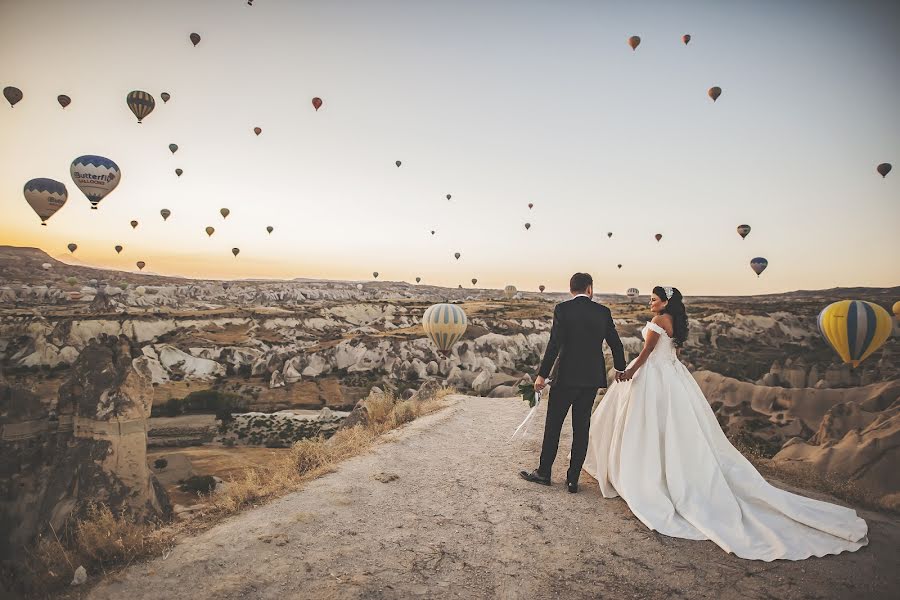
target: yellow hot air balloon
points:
(445, 324)
(854, 329)
(896, 309)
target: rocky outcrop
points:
(280, 429)
(87, 446)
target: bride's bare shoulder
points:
(664, 321)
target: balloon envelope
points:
(72, 247)
(141, 103)
(527, 226)
(165, 213)
(210, 230)
(474, 281)
(119, 249)
(509, 291)
(270, 229)
(317, 103)
(165, 97)
(457, 255)
(634, 41)
(445, 325)
(658, 236)
(134, 224)
(541, 288)
(632, 292)
(141, 264)
(448, 196)
(12, 94)
(178, 172)
(418, 279)
(95, 176)
(173, 148)
(896, 308)
(235, 251)
(63, 100)
(224, 212)
(609, 234)
(686, 38)
(195, 38)
(883, 169)
(375, 274)
(619, 266)
(743, 230)
(45, 196)
(359, 286)
(257, 130)
(759, 265)
(398, 163)
(714, 92)
(530, 205)
(854, 329)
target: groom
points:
(579, 328)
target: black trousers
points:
(561, 398)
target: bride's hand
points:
(629, 374)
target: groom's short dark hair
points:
(580, 282)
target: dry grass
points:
(102, 540)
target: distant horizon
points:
(499, 105)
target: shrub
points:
(198, 484)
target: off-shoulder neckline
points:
(661, 329)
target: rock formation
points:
(88, 446)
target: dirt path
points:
(458, 522)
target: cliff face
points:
(88, 446)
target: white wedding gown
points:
(656, 442)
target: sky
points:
(499, 104)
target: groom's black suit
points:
(579, 328)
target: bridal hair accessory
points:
(669, 290)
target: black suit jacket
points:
(579, 328)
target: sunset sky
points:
(497, 103)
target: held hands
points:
(626, 375)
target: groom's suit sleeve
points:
(615, 344)
(553, 346)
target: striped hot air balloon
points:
(445, 324)
(509, 291)
(95, 176)
(45, 196)
(854, 329)
(632, 293)
(141, 103)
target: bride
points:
(655, 441)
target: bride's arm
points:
(649, 345)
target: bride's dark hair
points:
(675, 308)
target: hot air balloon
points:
(658, 236)
(134, 224)
(166, 213)
(883, 169)
(448, 196)
(45, 196)
(195, 39)
(178, 172)
(509, 291)
(541, 288)
(634, 41)
(119, 249)
(317, 103)
(619, 266)
(173, 148)
(140, 265)
(418, 279)
(530, 205)
(141, 103)
(210, 231)
(686, 38)
(632, 293)
(72, 248)
(609, 234)
(359, 286)
(224, 212)
(95, 176)
(527, 226)
(854, 329)
(445, 324)
(63, 100)
(235, 251)
(46, 266)
(375, 274)
(743, 230)
(165, 97)
(13, 95)
(398, 163)
(270, 229)
(759, 265)
(457, 255)
(896, 309)
(714, 92)
(432, 232)
(474, 281)
(257, 130)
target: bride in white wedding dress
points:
(655, 441)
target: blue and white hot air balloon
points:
(46, 196)
(95, 176)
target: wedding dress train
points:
(656, 442)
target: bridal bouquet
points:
(527, 392)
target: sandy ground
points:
(438, 510)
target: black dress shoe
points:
(534, 477)
(573, 487)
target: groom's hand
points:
(539, 384)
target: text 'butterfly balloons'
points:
(45, 196)
(95, 176)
